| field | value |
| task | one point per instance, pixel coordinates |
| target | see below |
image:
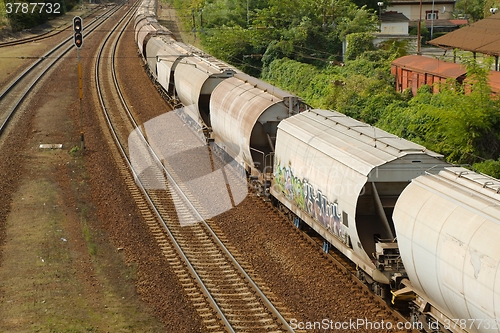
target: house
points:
(432, 10)
(393, 26)
(393, 23)
(436, 15)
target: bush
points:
(489, 167)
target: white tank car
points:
(143, 30)
(168, 55)
(144, 17)
(245, 113)
(195, 77)
(146, 9)
(343, 177)
(448, 229)
(156, 46)
(146, 26)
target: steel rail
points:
(44, 35)
(171, 178)
(144, 191)
(90, 27)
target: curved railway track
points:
(39, 37)
(224, 290)
(227, 293)
(47, 34)
(17, 90)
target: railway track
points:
(38, 37)
(367, 301)
(225, 291)
(16, 91)
(225, 294)
(48, 33)
(208, 261)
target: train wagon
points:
(166, 46)
(448, 228)
(144, 30)
(195, 78)
(414, 71)
(245, 113)
(342, 177)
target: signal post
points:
(78, 41)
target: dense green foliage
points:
(473, 9)
(360, 88)
(297, 46)
(314, 85)
(253, 33)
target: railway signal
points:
(78, 28)
(78, 40)
(77, 24)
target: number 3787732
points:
(32, 7)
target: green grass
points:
(87, 235)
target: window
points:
(431, 15)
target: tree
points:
(310, 31)
(357, 44)
(474, 9)
(356, 20)
(234, 45)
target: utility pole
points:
(419, 29)
(380, 4)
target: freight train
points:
(414, 225)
